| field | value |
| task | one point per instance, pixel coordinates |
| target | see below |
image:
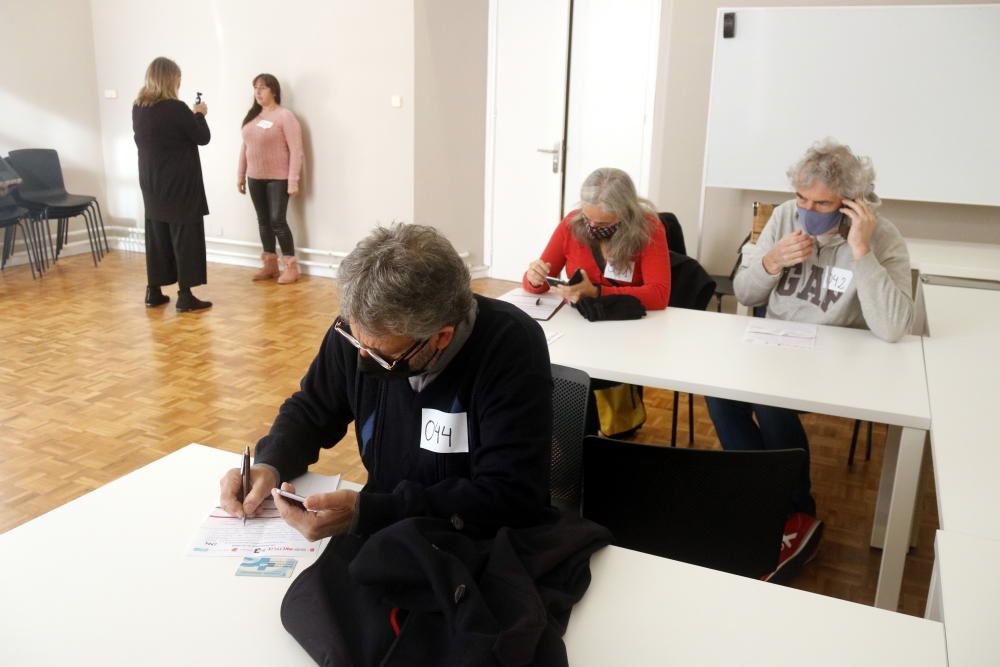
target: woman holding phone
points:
(615, 241)
(269, 167)
(167, 135)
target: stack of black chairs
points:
(43, 193)
(13, 218)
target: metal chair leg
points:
(854, 443)
(690, 420)
(673, 421)
(29, 249)
(92, 218)
(868, 449)
(90, 239)
(100, 217)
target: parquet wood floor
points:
(93, 385)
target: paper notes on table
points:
(552, 336)
(262, 566)
(539, 306)
(781, 333)
(265, 534)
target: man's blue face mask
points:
(816, 223)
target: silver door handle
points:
(556, 153)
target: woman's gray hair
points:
(613, 191)
(834, 165)
(404, 280)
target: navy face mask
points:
(816, 223)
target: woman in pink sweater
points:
(270, 163)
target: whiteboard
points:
(917, 88)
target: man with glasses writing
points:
(450, 394)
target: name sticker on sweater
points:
(264, 124)
(625, 275)
(444, 432)
(839, 279)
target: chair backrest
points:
(675, 234)
(40, 169)
(690, 285)
(761, 214)
(570, 392)
(720, 509)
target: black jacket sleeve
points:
(510, 417)
(194, 125)
(317, 416)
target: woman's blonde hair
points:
(613, 191)
(163, 78)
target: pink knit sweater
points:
(274, 151)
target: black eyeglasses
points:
(343, 328)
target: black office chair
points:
(720, 509)
(43, 191)
(675, 234)
(690, 287)
(13, 218)
(570, 396)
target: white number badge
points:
(839, 279)
(444, 432)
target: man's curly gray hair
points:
(834, 165)
(404, 280)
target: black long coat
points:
(168, 135)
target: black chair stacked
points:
(570, 393)
(690, 287)
(43, 192)
(718, 509)
(13, 218)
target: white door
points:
(612, 86)
(526, 110)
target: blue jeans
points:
(775, 428)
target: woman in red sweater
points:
(617, 241)
(270, 163)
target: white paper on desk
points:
(552, 336)
(266, 534)
(781, 333)
(539, 306)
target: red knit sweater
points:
(650, 277)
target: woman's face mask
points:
(602, 233)
(601, 225)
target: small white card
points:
(444, 432)
(264, 124)
(625, 275)
(839, 279)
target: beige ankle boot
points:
(270, 268)
(291, 271)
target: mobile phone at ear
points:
(295, 499)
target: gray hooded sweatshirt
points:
(830, 287)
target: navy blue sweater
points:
(501, 379)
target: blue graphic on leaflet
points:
(253, 566)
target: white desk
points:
(70, 600)
(967, 597)
(104, 580)
(963, 370)
(643, 610)
(955, 258)
(849, 373)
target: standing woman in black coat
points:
(168, 134)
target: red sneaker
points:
(798, 545)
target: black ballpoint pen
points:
(245, 479)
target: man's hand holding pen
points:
(261, 481)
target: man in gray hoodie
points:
(825, 257)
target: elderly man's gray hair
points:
(838, 168)
(404, 280)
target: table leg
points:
(901, 470)
(933, 610)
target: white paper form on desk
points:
(539, 306)
(781, 333)
(266, 534)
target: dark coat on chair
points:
(692, 286)
(168, 135)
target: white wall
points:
(47, 91)
(679, 131)
(450, 119)
(339, 63)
